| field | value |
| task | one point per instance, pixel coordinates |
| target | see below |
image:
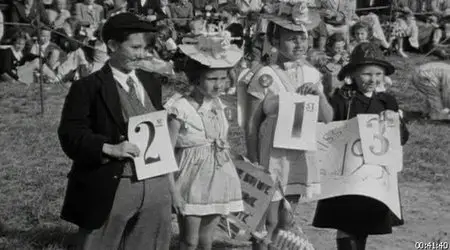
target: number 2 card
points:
(150, 133)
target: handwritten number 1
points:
(151, 137)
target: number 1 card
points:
(296, 124)
(150, 133)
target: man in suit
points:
(89, 13)
(103, 197)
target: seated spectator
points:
(58, 13)
(230, 16)
(140, 7)
(26, 12)
(12, 57)
(427, 30)
(362, 32)
(199, 5)
(440, 44)
(337, 16)
(17, 67)
(182, 9)
(45, 48)
(162, 9)
(338, 56)
(374, 23)
(89, 13)
(404, 26)
(437, 7)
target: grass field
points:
(33, 172)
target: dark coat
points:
(92, 116)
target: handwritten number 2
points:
(151, 137)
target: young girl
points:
(207, 182)
(362, 32)
(291, 73)
(12, 57)
(404, 26)
(336, 50)
(355, 217)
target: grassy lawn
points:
(33, 172)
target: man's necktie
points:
(132, 92)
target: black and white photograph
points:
(224, 124)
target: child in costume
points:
(207, 181)
(289, 23)
(355, 217)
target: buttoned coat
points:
(92, 116)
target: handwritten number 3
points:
(151, 137)
(383, 140)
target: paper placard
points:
(257, 191)
(151, 134)
(381, 141)
(296, 123)
(343, 170)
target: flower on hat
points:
(215, 39)
(297, 10)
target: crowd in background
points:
(71, 47)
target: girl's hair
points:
(194, 71)
(332, 40)
(18, 35)
(273, 32)
(361, 25)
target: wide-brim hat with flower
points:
(365, 54)
(214, 50)
(293, 15)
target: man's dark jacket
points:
(92, 116)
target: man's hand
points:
(123, 150)
(308, 88)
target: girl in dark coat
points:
(355, 217)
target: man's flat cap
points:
(125, 22)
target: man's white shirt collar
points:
(122, 78)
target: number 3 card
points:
(380, 141)
(296, 124)
(151, 134)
